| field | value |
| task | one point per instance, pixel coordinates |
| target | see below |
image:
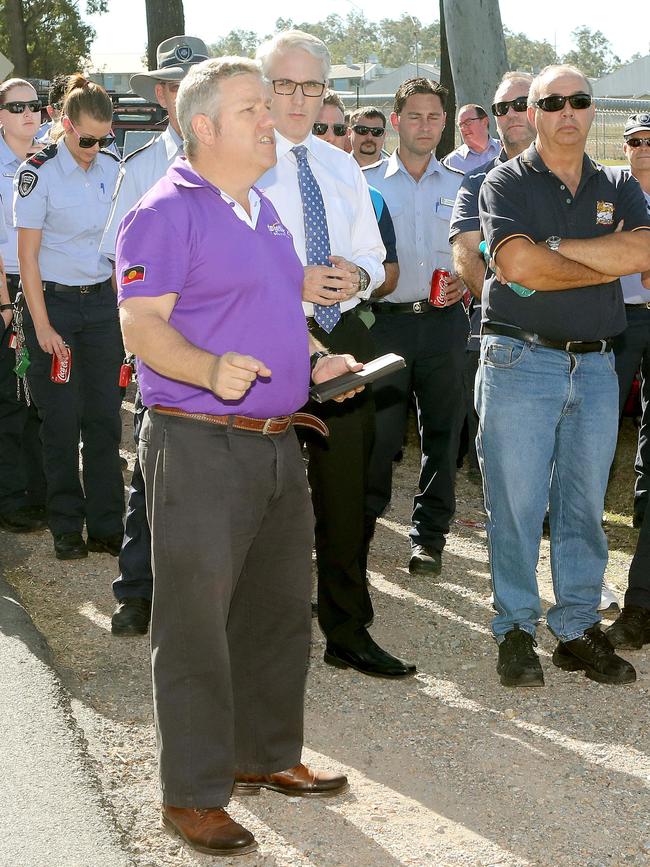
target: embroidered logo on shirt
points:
(278, 229)
(27, 180)
(604, 213)
(133, 274)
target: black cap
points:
(637, 123)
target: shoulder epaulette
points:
(108, 153)
(454, 169)
(43, 156)
(140, 149)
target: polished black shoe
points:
(631, 628)
(594, 654)
(69, 546)
(518, 663)
(106, 544)
(27, 519)
(425, 561)
(369, 659)
(131, 617)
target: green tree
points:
(528, 55)
(238, 43)
(592, 53)
(398, 39)
(46, 37)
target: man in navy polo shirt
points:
(210, 290)
(547, 393)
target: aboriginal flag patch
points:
(133, 274)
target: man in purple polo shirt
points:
(210, 292)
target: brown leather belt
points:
(276, 425)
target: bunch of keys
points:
(22, 353)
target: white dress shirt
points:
(351, 220)
(634, 292)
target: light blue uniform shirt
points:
(138, 173)
(421, 211)
(465, 159)
(9, 163)
(71, 206)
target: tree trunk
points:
(477, 49)
(446, 144)
(165, 18)
(15, 23)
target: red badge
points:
(133, 274)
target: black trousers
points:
(632, 353)
(232, 533)
(638, 590)
(87, 406)
(338, 479)
(434, 347)
(22, 482)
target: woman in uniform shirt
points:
(62, 199)
(22, 484)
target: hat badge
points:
(183, 53)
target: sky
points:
(124, 31)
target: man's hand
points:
(454, 291)
(233, 374)
(336, 365)
(325, 285)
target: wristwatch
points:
(553, 243)
(364, 279)
(314, 358)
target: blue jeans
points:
(547, 433)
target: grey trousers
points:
(232, 532)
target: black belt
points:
(353, 311)
(13, 282)
(49, 286)
(575, 346)
(645, 304)
(409, 307)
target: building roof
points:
(631, 80)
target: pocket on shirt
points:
(64, 207)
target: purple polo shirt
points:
(239, 290)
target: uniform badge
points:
(27, 180)
(183, 53)
(446, 201)
(605, 213)
(133, 274)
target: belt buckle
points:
(417, 307)
(84, 290)
(647, 305)
(267, 425)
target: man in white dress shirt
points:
(322, 198)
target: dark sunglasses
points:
(375, 131)
(88, 141)
(320, 128)
(19, 107)
(499, 109)
(555, 102)
(638, 142)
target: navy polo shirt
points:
(524, 199)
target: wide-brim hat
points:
(175, 56)
(637, 123)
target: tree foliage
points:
(528, 55)
(593, 53)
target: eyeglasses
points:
(320, 128)
(468, 121)
(375, 131)
(19, 107)
(287, 87)
(638, 142)
(88, 141)
(555, 102)
(500, 109)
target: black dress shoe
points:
(369, 659)
(69, 546)
(106, 544)
(425, 561)
(518, 663)
(131, 617)
(631, 628)
(594, 654)
(24, 520)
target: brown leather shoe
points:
(211, 831)
(298, 782)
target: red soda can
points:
(438, 293)
(13, 340)
(126, 372)
(60, 372)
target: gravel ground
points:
(448, 768)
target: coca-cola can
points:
(438, 293)
(60, 372)
(126, 372)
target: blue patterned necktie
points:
(317, 239)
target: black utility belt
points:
(50, 286)
(575, 346)
(643, 305)
(13, 284)
(408, 307)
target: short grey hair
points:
(199, 92)
(511, 77)
(555, 69)
(289, 40)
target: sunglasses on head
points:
(555, 102)
(33, 105)
(88, 141)
(500, 109)
(375, 131)
(320, 128)
(638, 142)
